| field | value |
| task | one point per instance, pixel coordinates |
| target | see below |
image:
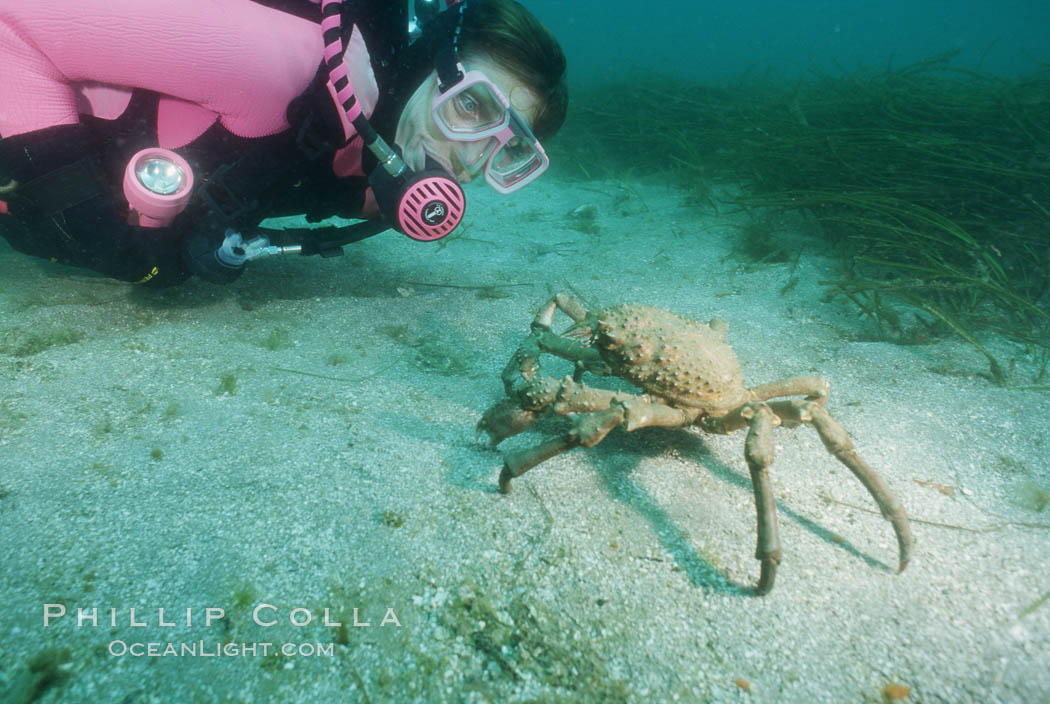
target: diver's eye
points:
(472, 110)
(467, 105)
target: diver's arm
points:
(68, 212)
(236, 58)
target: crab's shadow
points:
(619, 455)
(616, 479)
(692, 447)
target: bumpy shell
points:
(671, 356)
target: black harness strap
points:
(61, 189)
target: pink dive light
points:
(157, 184)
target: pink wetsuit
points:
(229, 60)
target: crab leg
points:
(589, 430)
(758, 450)
(838, 442)
(571, 306)
(520, 461)
(814, 388)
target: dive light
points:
(157, 184)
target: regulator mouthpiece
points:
(425, 205)
(431, 206)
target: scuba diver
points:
(140, 140)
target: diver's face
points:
(418, 135)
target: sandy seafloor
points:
(171, 449)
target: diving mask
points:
(496, 138)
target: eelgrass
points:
(932, 181)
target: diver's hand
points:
(215, 261)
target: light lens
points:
(161, 176)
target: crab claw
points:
(504, 420)
(583, 328)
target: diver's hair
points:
(510, 35)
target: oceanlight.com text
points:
(205, 649)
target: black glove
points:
(201, 255)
